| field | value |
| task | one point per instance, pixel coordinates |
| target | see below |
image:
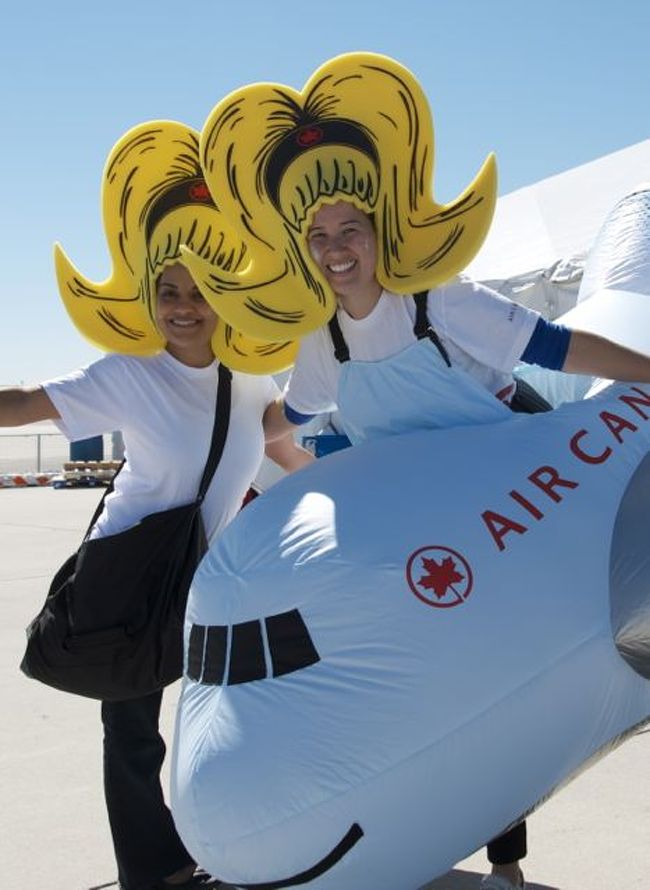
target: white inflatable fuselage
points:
(402, 649)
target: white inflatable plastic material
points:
(401, 650)
(613, 296)
(620, 258)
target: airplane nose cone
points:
(630, 574)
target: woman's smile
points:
(338, 268)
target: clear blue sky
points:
(545, 85)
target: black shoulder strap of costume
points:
(341, 351)
(422, 327)
(219, 429)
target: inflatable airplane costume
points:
(374, 643)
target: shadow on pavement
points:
(470, 880)
(455, 880)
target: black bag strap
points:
(219, 429)
(100, 505)
(219, 434)
(423, 328)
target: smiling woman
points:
(184, 318)
(161, 387)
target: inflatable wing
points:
(614, 294)
(620, 256)
(383, 637)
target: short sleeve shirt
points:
(165, 411)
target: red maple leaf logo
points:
(448, 578)
(440, 576)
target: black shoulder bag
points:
(111, 627)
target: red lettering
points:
(582, 455)
(499, 526)
(526, 504)
(615, 424)
(633, 402)
(552, 481)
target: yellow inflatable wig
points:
(360, 130)
(154, 199)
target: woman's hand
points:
(288, 454)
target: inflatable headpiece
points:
(154, 198)
(366, 659)
(360, 130)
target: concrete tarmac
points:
(592, 835)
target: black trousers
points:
(509, 846)
(147, 845)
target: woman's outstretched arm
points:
(20, 405)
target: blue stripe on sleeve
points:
(295, 416)
(548, 345)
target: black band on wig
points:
(187, 192)
(325, 132)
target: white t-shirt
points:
(483, 333)
(165, 411)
